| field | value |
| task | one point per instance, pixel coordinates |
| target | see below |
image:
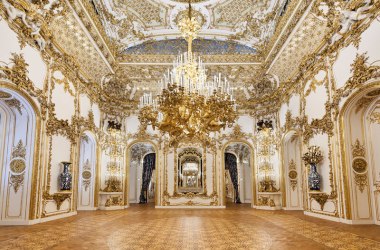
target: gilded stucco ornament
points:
(359, 165)
(321, 198)
(114, 201)
(375, 117)
(17, 166)
(86, 174)
(17, 73)
(292, 174)
(32, 19)
(265, 201)
(19, 151)
(58, 198)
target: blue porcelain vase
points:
(65, 178)
(314, 178)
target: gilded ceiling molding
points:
(93, 24)
(62, 61)
(284, 29)
(156, 59)
(310, 63)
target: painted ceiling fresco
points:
(201, 46)
(132, 22)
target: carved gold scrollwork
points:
(375, 117)
(19, 151)
(361, 180)
(114, 201)
(292, 174)
(18, 75)
(359, 165)
(56, 126)
(265, 201)
(16, 181)
(321, 198)
(59, 198)
(86, 174)
(17, 166)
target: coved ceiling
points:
(249, 22)
(125, 46)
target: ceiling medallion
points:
(190, 1)
(182, 15)
(189, 105)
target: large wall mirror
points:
(190, 171)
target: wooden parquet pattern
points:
(237, 227)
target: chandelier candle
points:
(189, 105)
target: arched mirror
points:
(190, 171)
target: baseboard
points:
(266, 208)
(358, 222)
(58, 216)
(36, 221)
(292, 208)
(322, 216)
(111, 208)
(87, 209)
(190, 207)
(16, 223)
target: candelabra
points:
(265, 151)
(115, 152)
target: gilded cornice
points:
(52, 55)
(315, 61)
(168, 59)
(93, 24)
(284, 28)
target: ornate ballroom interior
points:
(201, 124)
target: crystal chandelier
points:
(265, 150)
(189, 105)
(115, 152)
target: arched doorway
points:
(238, 173)
(360, 144)
(18, 125)
(141, 175)
(86, 171)
(292, 171)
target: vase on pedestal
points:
(314, 178)
(65, 178)
(313, 157)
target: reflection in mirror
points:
(190, 171)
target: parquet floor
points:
(143, 227)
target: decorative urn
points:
(65, 178)
(313, 157)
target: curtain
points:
(149, 163)
(231, 165)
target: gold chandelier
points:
(189, 105)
